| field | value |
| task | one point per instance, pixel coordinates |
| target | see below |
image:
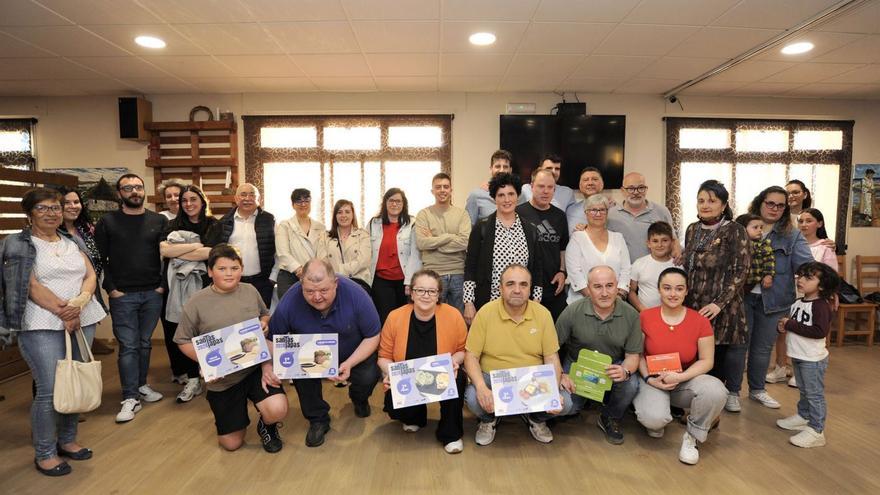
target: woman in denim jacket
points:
(764, 307)
(48, 285)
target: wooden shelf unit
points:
(204, 153)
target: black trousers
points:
(263, 285)
(286, 280)
(451, 426)
(554, 303)
(363, 380)
(388, 295)
(180, 363)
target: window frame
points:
(256, 156)
(842, 157)
(24, 160)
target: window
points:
(747, 156)
(356, 158)
(16, 143)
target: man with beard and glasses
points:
(128, 240)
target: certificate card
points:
(588, 375)
(525, 390)
(308, 355)
(659, 363)
(231, 349)
(422, 381)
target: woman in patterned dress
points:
(716, 258)
(496, 242)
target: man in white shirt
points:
(252, 231)
(563, 197)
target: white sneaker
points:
(192, 388)
(486, 432)
(149, 395)
(656, 433)
(792, 423)
(411, 428)
(454, 447)
(129, 407)
(808, 438)
(764, 398)
(792, 382)
(688, 453)
(539, 430)
(779, 374)
(732, 404)
(181, 379)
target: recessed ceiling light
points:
(482, 39)
(797, 48)
(149, 42)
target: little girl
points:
(763, 262)
(805, 331)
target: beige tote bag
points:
(78, 385)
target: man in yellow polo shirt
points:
(510, 332)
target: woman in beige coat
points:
(346, 246)
(296, 240)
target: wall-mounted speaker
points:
(134, 112)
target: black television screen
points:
(581, 141)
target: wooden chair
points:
(867, 281)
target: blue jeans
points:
(470, 400)
(453, 291)
(762, 330)
(617, 400)
(42, 349)
(134, 315)
(810, 376)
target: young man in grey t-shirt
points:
(227, 302)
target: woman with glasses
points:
(48, 285)
(593, 246)
(346, 246)
(394, 255)
(799, 198)
(188, 241)
(296, 240)
(425, 328)
(717, 259)
(764, 307)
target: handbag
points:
(78, 384)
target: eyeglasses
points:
(597, 211)
(303, 201)
(774, 206)
(129, 189)
(247, 195)
(42, 209)
(632, 189)
(395, 201)
(419, 291)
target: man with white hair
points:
(252, 231)
(635, 214)
(324, 303)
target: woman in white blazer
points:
(346, 246)
(594, 246)
(296, 240)
(395, 256)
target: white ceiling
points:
(82, 47)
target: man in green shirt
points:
(605, 324)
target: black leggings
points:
(180, 363)
(388, 295)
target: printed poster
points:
(301, 356)
(525, 390)
(422, 381)
(231, 349)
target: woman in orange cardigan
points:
(424, 328)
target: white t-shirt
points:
(807, 313)
(645, 272)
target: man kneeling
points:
(227, 302)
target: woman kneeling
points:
(425, 328)
(674, 329)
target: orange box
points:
(659, 363)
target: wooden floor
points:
(171, 448)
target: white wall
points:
(83, 131)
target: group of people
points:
(523, 275)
